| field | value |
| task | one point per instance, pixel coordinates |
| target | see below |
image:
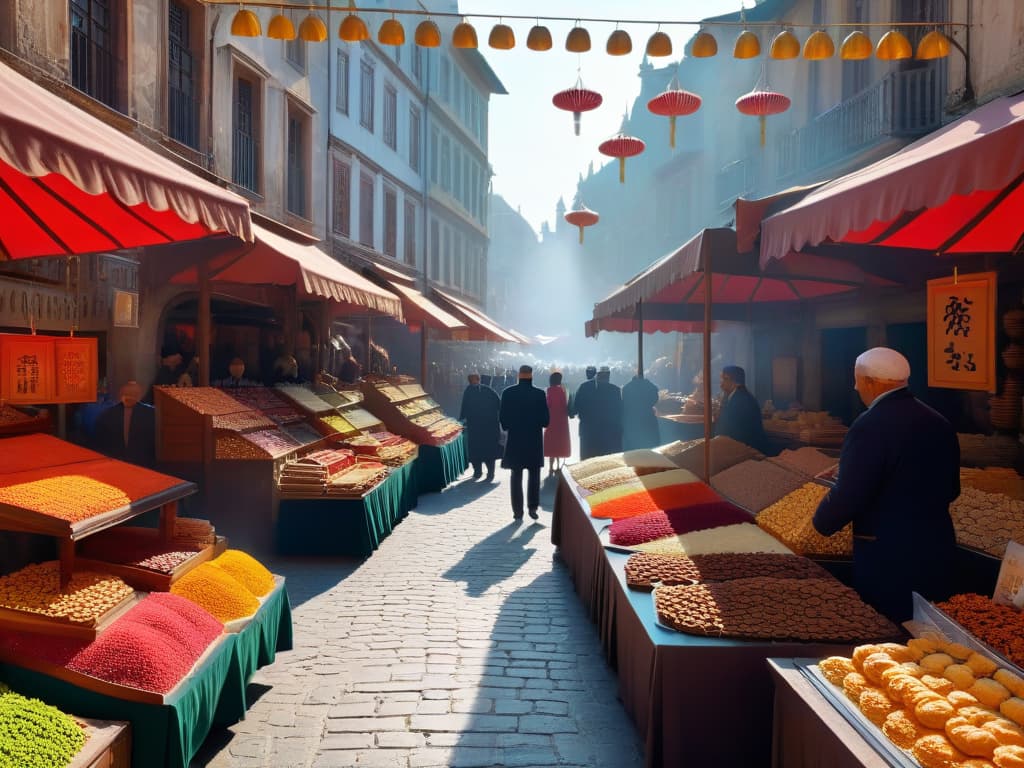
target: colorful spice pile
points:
(135, 656)
(1001, 480)
(36, 589)
(644, 570)
(808, 461)
(755, 485)
(771, 609)
(668, 497)
(999, 626)
(216, 591)
(741, 537)
(725, 453)
(644, 462)
(178, 619)
(34, 734)
(943, 703)
(660, 524)
(986, 521)
(247, 570)
(638, 483)
(789, 520)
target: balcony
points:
(905, 104)
(245, 170)
(182, 117)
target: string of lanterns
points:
(857, 45)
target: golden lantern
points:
(464, 36)
(894, 46)
(856, 47)
(934, 45)
(353, 29)
(539, 39)
(281, 28)
(659, 44)
(246, 24)
(428, 35)
(619, 43)
(819, 46)
(578, 40)
(391, 32)
(704, 46)
(312, 29)
(502, 37)
(747, 46)
(784, 46)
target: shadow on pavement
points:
(496, 558)
(308, 577)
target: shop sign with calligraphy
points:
(962, 332)
(36, 370)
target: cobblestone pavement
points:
(460, 642)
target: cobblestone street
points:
(460, 642)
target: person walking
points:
(524, 414)
(639, 422)
(480, 409)
(607, 414)
(582, 405)
(556, 436)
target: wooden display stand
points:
(390, 402)
(109, 745)
(149, 580)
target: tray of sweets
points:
(208, 401)
(361, 419)
(269, 403)
(304, 399)
(241, 421)
(336, 423)
(333, 399)
(358, 479)
(302, 433)
(149, 565)
(391, 392)
(426, 419)
(413, 390)
(276, 442)
(351, 395)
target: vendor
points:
(127, 431)
(898, 472)
(739, 416)
(236, 376)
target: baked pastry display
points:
(644, 569)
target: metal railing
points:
(908, 103)
(737, 179)
(93, 68)
(245, 165)
(183, 117)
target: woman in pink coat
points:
(556, 435)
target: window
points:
(435, 139)
(93, 47)
(366, 95)
(298, 144)
(417, 63)
(410, 233)
(341, 89)
(246, 147)
(390, 222)
(391, 117)
(182, 93)
(295, 53)
(435, 251)
(366, 186)
(446, 164)
(342, 218)
(414, 138)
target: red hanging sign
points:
(36, 370)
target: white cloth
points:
(883, 363)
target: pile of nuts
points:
(986, 521)
(36, 589)
(789, 520)
(756, 484)
(1000, 626)
(644, 570)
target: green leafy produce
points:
(34, 734)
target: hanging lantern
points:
(577, 100)
(747, 46)
(673, 103)
(502, 38)
(934, 45)
(659, 44)
(582, 217)
(819, 46)
(246, 24)
(762, 103)
(281, 28)
(619, 43)
(856, 47)
(784, 46)
(428, 35)
(704, 46)
(391, 32)
(894, 46)
(464, 36)
(353, 29)
(539, 39)
(312, 29)
(578, 40)
(622, 146)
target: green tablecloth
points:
(355, 527)
(437, 467)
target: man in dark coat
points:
(898, 472)
(639, 422)
(127, 431)
(606, 415)
(582, 405)
(480, 408)
(740, 415)
(524, 415)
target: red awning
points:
(750, 213)
(481, 327)
(274, 259)
(416, 307)
(958, 190)
(70, 184)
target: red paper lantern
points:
(622, 146)
(577, 100)
(582, 217)
(761, 104)
(673, 103)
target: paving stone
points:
(545, 724)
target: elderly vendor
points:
(898, 473)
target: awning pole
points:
(640, 338)
(707, 365)
(369, 341)
(423, 355)
(203, 331)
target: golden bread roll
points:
(1013, 709)
(853, 684)
(861, 652)
(902, 729)
(875, 705)
(874, 665)
(960, 675)
(970, 739)
(935, 663)
(1006, 733)
(835, 668)
(961, 699)
(933, 713)
(981, 666)
(989, 692)
(935, 751)
(1009, 757)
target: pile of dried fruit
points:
(666, 498)
(789, 520)
(247, 570)
(999, 626)
(660, 524)
(34, 734)
(643, 462)
(756, 484)
(771, 609)
(217, 592)
(741, 537)
(644, 570)
(1002, 480)
(36, 589)
(986, 521)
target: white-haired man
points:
(898, 472)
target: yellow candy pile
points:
(247, 570)
(789, 520)
(216, 591)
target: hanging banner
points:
(37, 370)
(962, 332)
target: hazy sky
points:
(534, 152)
